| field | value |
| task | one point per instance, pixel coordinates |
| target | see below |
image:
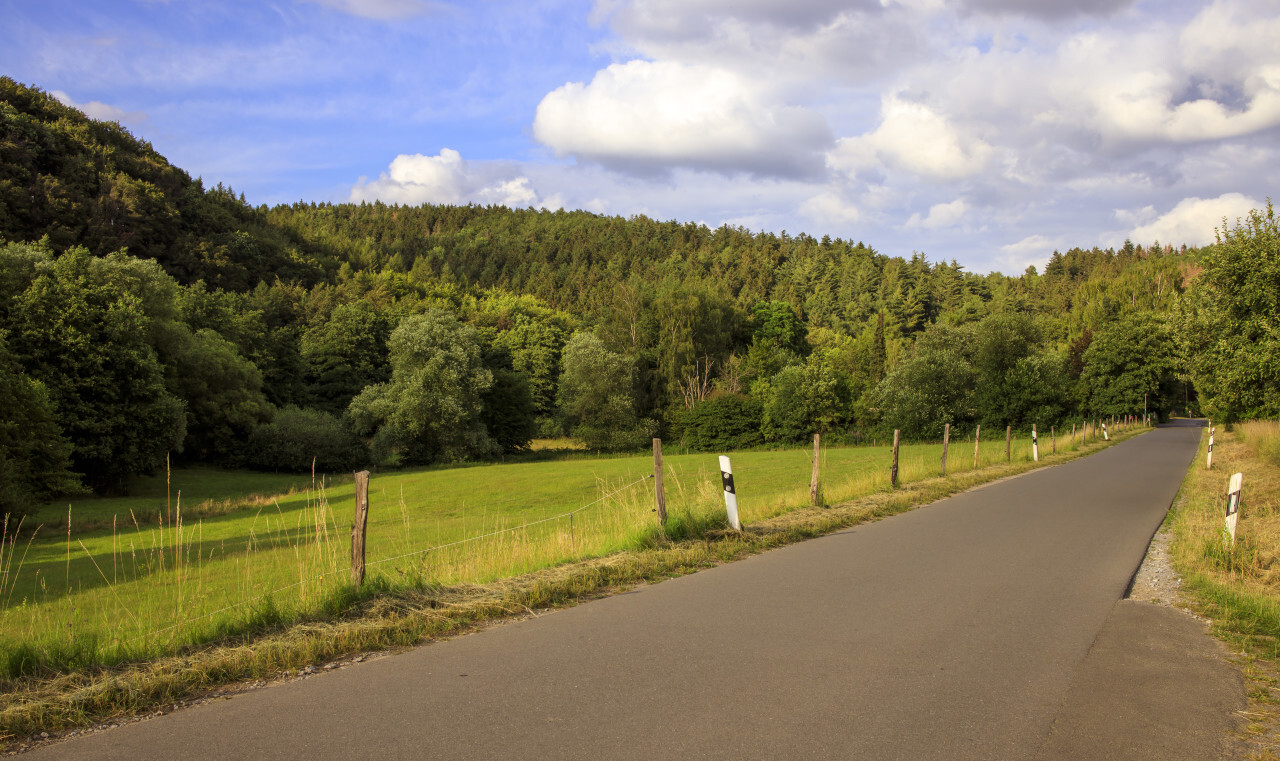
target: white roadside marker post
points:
(1035, 444)
(730, 493)
(1208, 462)
(1233, 505)
(1105, 436)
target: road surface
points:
(985, 626)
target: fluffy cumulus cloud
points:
(941, 215)
(1193, 220)
(1026, 124)
(830, 209)
(915, 138)
(448, 179)
(643, 116)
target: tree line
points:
(196, 326)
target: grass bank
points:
(425, 589)
(1238, 587)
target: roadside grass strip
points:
(1238, 589)
(117, 623)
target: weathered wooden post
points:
(893, 470)
(1008, 443)
(659, 492)
(1053, 439)
(976, 433)
(813, 480)
(1035, 445)
(946, 442)
(358, 528)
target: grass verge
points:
(385, 615)
(1238, 587)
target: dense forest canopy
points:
(143, 315)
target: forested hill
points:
(357, 334)
(83, 182)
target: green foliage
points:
(81, 327)
(35, 459)
(1017, 382)
(1231, 321)
(222, 392)
(296, 438)
(294, 305)
(430, 409)
(89, 183)
(724, 423)
(1135, 358)
(345, 353)
(509, 411)
(595, 396)
(802, 400)
(532, 335)
(932, 387)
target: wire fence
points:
(417, 553)
(313, 536)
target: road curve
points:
(962, 630)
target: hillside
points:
(145, 316)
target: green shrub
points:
(296, 436)
(722, 424)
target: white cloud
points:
(1194, 220)
(646, 116)
(940, 215)
(1133, 218)
(98, 110)
(448, 179)
(915, 138)
(1031, 251)
(382, 10)
(829, 209)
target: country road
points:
(985, 626)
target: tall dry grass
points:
(1237, 585)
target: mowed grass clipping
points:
(163, 576)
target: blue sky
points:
(986, 131)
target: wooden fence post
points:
(1053, 438)
(946, 441)
(813, 480)
(976, 434)
(659, 492)
(893, 471)
(358, 528)
(1008, 443)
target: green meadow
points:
(204, 554)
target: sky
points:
(989, 132)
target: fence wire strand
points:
(321, 576)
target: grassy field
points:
(1238, 587)
(100, 623)
(150, 574)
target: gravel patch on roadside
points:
(1156, 581)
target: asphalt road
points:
(986, 626)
